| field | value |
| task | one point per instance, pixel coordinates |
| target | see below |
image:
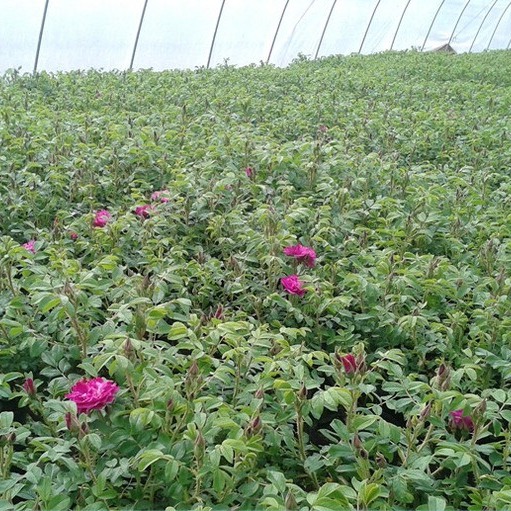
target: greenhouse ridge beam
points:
(399, 24)
(457, 22)
(368, 27)
(481, 25)
(214, 34)
(431, 26)
(43, 21)
(138, 35)
(497, 25)
(324, 28)
(277, 31)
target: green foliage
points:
(394, 168)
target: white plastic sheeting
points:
(62, 35)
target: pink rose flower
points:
(143, 211)
(302, 254)
(93, 394)
(161, 196)
(293, 285)
(30, 246)
(102, 218)
(460, 421)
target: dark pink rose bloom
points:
(460, 421)
(30, 246)
(143, 211)
(102, 218)
(293, 285)
(29, 387)
(93, 394)
(249, 171)
(302, 254)
(161, 196)
(73, 235)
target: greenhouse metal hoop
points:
(324, 28)
(214, 34)
(277, 31)
(481, 25)
(40, 37)
(368, 27)
(431, 26)
(138, 35)
(497, 25)
(457, 22)
(399, 24)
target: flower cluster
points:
(306, 255)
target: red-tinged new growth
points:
(293, 285)
(93, 394)
(101, 218)
(302, 254)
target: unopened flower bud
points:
(290, 502)
(381, 460)
(11, 437)
(219, 313)
(302, 393)
(480, 409)
(199, 446)
(426, 411)
(170, 405)
(357, 444)
(193, 371)
(259, 393)
(128, 348)
(255, 426)
(72, 422)
(29, 387)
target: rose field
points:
(258, 288)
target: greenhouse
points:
(255, 255)
(64, 35)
